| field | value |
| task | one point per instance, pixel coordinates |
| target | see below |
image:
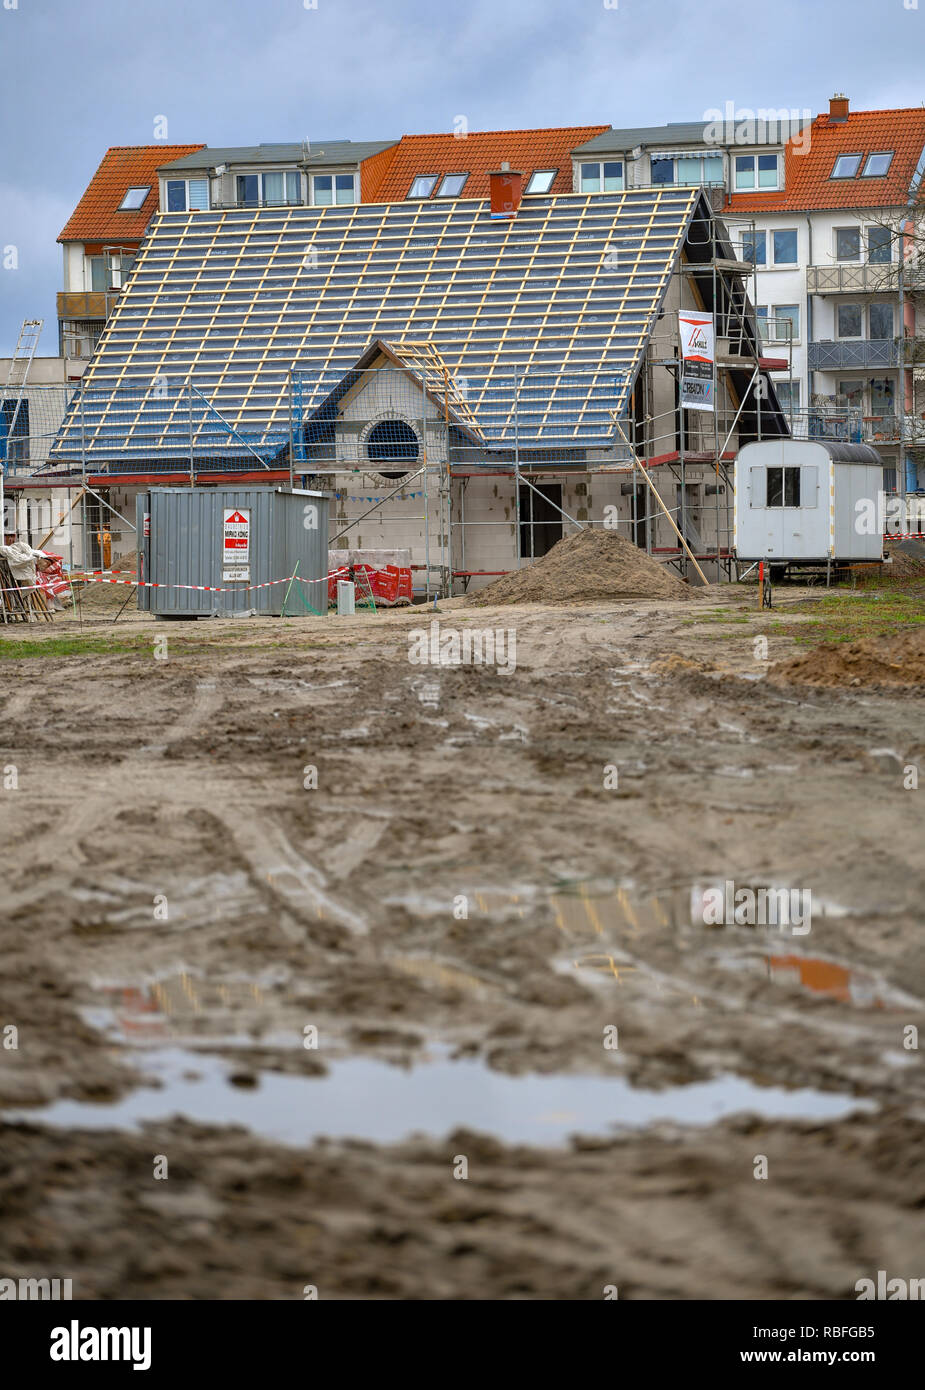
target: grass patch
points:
(848, 616)
(12, 649)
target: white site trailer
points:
(807, 502)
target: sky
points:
(77, 78)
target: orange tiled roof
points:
(477, 154)
(96, 216)
(807, 172)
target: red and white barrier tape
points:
(150, 584)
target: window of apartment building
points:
(606, 177)
(276, 188)
(187, 195)
(756, 171)
(878, 164)
(879, 245)
(761, 311)
(540, 180)
(882, 396)
(328, 189)
(98, 275)
(451, 185)
(783, 487)
(422, 186)
(851, 394)
(846, 166)
(781, 314)
(847, 243)
(699, 168)
(881, 321)
(134, 198)
(662, 169)
(849, 321)
(788, 393)
(784, 245)
(109, 272)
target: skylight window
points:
(452, 185)
(878, 164)
(134, 199)
(423, 186)
(541, 180)
(846, 166)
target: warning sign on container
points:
(236, 537)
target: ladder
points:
(18, 374)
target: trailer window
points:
(783, 487)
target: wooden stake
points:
(654, 491)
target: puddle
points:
(623, 912)
(361, 1098)
(834, 981)
(175, 1005)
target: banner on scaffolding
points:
(697, 359)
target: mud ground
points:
(459, 884)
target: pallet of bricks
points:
(383, 575)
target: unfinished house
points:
(469, 378)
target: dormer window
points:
(878, 164)
(540, 180)
(606, 177)
(187, 195)
(452, 185)
(276, 188)
(422, 186)
(756, 171)
(328, 189)
(134, 199)
(846, 166)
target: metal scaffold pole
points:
(192, 466)
(426, 500)
(516, 470)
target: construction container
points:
(213, 552)
(802, 502)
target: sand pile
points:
(896, 660)
(584, 567)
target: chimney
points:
(838, 107)
(505, 186)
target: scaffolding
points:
(477, 474)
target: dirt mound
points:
(897, 660)
(584, 567)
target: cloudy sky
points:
(79, 77)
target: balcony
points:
(827, 422)
(852, 279)
(848, 353)
(86, 304)
(850, 425)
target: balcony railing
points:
(851, 426)
(829, 356)
(853, 279)
(86, 304)
(825, 422)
